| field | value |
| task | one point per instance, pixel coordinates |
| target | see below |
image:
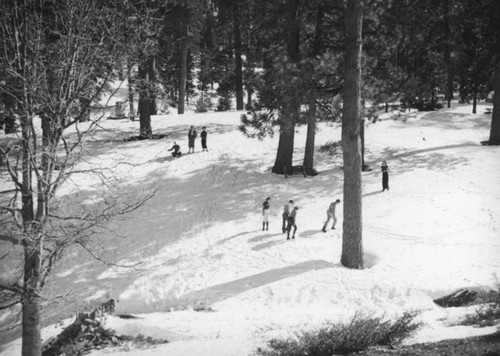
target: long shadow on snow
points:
(206, 297)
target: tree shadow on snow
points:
(220, 292)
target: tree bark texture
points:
(31, 334)
(238, 65)
(153, 110)
(495, 117)
(311, 135)
(144, 114)
(183, 70)
(284, 155)
(352, 243)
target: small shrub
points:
(487, 315)
(343, 338)
(203, 104)
(334, 148)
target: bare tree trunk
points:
(311, 119)
(183, 70)
(352, 242)
(311, 135)
(238, 70)
(447, 54)
(31, 335)
(284, 155)
(144, 115)
(153, 110)
(495, 117)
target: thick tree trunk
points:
(290, 111)
(495, 118)
(31, 334)
(352, 243)
(311, 119)
(238, 66)
(153, 110)
(284, 156)
(311, 134)
(144, 115)
(183, 70)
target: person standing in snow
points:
(385, 176)
(265, 213)
(203, 136)
(330, 214)
(287, 208)
(292, 222)
(177, 150)
(191, 136)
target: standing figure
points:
(265, 214)
(330, 214)
(292, 219)
(191, 136)
(203, 136)
(385, 176)
(177, 150)
(287, 208)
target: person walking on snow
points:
(330, 214)
(177, 150)
(265, 214)
(292, 220)
(385, 176)
(287, 208)
(203, 136)
(191, 136)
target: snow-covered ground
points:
(208, 279)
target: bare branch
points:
(10, 305)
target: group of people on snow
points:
(289, 215)
(192, 134)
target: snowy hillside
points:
(208, 279)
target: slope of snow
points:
(198, 244)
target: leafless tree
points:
(57, 56)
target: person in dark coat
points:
(177, 150)
(265, 213)
(385, 176)
(287, 209)
(191, 136)
(203, 136)
(292, 220)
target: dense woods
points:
(287, 62)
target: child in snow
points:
(385, 176)
(330, 214)
(292, 219)
(287, 208)
(177, 150)
(265, 214)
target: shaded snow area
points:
(207, 278)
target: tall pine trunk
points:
(153, 110)
(311, 135)
(495, 118)
(183, 70)
(290, 111)
(447, 54)
(144, 114)
(311, 119)
(352, 243)
(238, 66)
